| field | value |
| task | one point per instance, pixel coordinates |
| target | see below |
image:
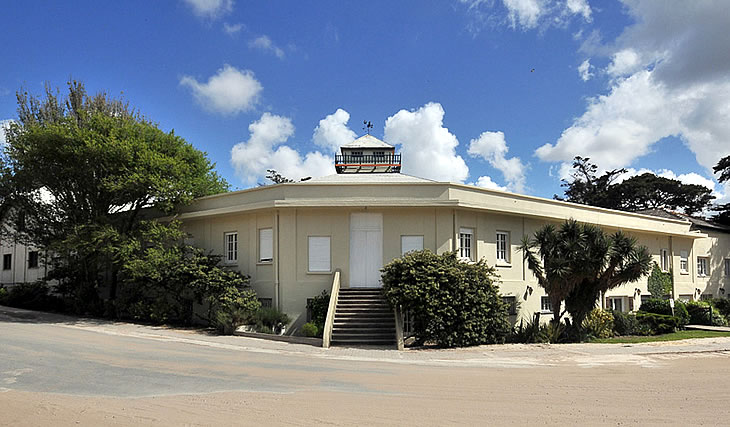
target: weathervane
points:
(368, 126)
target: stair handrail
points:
(332, 307)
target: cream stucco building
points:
(290, 238)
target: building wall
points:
(19, 271)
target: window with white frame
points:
(231, 242)
(683, 262)
(727, 267)
(701, 266)
(319, 254)
(546, 305)
(503, 246)
(616, 303)
(410, 243)
(466, 237)
(511, 303)
(664, 260)
(266, 245)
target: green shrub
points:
(234, 307)
(624, 323)
(452, 303)
(699, 314)
(33, 296)
(598, 323)
(659, 283)
(656, 306)
(309, 329)
(722, 305)
(680, 311)
(318, 307)
(3, 295)
(532, 331)
(270, 320)
(657, 323)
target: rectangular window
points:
(706, 297)
(502, 246)
(465, 243)
(685, 297)
(319, 253)
(701, 266)
(410, 243)
(683, 262)
(7, 261)
(511, 303)
(727, 267)
(664, 260)
(33, 259)
(266, 245)
(231, 247)
(266, 302)
(546, 305)
(617, 304)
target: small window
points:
(545, 305)
(33, 259)
(231, 245)
(616, 303)
(727, 267)
(465, 243)
(410, 243)
(266, 302)
(664, 260)
(266, 245)
(357, 154)
(683, 262)
(701, 266)
(705, 297)
(685, 297)
(7, 261)
(502, 246)
(511, 302)
(379, 154)
(319, 253)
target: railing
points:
(330, 320)
(367, 159)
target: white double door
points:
(366, 250)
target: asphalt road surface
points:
(57, 370)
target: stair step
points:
(364, 323)
(357, 341)
(386, 336)
(356, 309)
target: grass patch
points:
(674, 336)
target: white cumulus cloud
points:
(229, 91)
(486, 182)
(527, 14)
(523, 13)
(584, 70)
(265, 150)
(670, 77)
(332, 132)
(232, 29)
(210, 9)
(265, 44)
(428, 148)
(492, 147)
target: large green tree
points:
(640, 192)
(577, 262)
(723, 211)
(84, 171)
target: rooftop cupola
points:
(367, 154)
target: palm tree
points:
(578, 262)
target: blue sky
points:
(502, 94)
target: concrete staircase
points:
(363, 317)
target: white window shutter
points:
(266, 244)
(411, 243)
(319, 253)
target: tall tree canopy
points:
(82, 169)
(640, 192)
(723, 211)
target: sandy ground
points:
(65, 371)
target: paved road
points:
(66, 371)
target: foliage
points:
(625, 323)
(658, 323)
(82, 169)
(700, 311)
(276, 177)
(681, 313)
(270, 320)
(599, 323)
(309, 329)
(31, 296)
(452, 303)
(318, 307)
(722, 305)
(577, 262)
(657, 306)
(659, 282)
(533, 331)
(640, 192)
